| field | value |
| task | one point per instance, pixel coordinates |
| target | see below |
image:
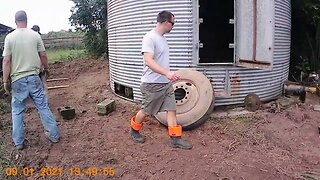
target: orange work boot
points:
(134, 131)
(175, 138)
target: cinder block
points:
(105, 107)
(67, 112)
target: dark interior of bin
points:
(216, 32)
(123, 91)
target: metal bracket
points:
(200, 20)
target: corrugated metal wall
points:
(129, 20)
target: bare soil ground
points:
(260, 145)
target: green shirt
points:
(23, 45)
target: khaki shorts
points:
(157, 97)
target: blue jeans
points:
(31, 86)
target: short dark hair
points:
(164, 16)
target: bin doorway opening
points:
(123, 91)
(216, 32)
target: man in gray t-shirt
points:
(156, 87)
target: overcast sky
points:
(50, 15)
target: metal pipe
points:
(295, 89)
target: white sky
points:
(49, 15)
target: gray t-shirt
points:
(155, 43)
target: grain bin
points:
(240, 46)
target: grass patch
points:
(58, 55)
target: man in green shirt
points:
(24, 56)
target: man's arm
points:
(44, 59)
(151, 63)
(6, 68)
(155, 67)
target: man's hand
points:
(172, 76)
(7, 87)
(45, 73)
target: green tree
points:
(305, 36)
(90, 16)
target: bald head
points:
(21, 16)
(21, 19)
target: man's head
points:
(165, 19)
(36, 28)
(21, 16)
(21, 19)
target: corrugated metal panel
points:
(129, 20)
(266, 84)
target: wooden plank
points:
(57, 79)
(58, 87)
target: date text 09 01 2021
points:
(58, 172)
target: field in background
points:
(61, 45)
(57, 55)
(67, 42)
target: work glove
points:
(45, 73)
(7, 87)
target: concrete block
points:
(105, 107)
(67, 112)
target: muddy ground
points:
(265, 144)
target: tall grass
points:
(58, 55)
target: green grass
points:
(57, 55)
